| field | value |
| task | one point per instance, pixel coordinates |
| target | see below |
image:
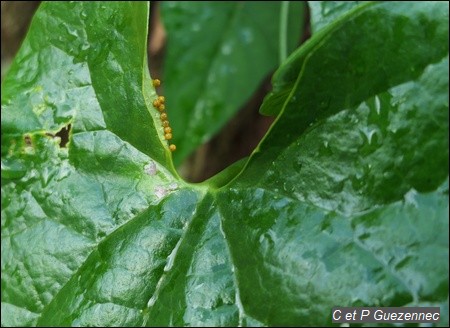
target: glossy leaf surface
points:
(345, 201)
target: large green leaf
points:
(217, 55)
(85, 70)
(81, 64)
(367, 155)
(294, 261)
(342, 204)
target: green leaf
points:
(217, 55)
(294, 262)
(372, 50)
(366, 155)
(341, 204)
(85, 70)
(58, 215)
(59, 204)
(114, 284)
(378, 40)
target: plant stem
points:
(283, 30)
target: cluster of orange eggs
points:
(158, 103)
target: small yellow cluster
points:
(158, 103)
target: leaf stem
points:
(283, 30)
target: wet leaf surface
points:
(345, 201)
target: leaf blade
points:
(217, 60)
